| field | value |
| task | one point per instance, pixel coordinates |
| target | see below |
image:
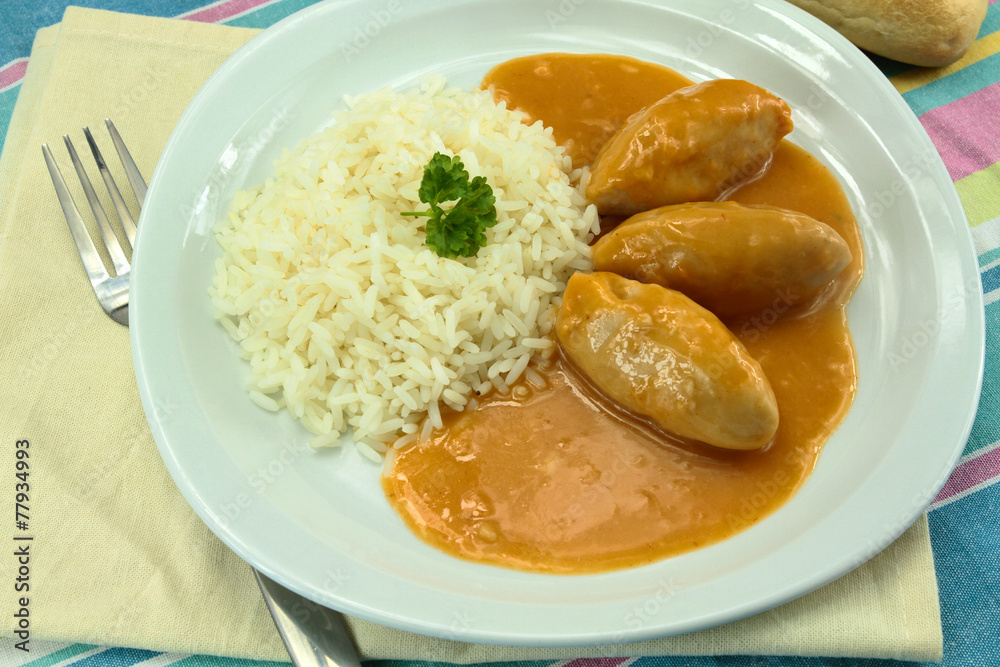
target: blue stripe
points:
(966, 541)
(957, 84)
(991, 279)
(986, 428)
(115, 657)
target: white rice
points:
(349, 321)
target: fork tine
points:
(131, 171)
(110, 240)
(116, 197)
(88, 253)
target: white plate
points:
(318, 522)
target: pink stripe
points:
(965, 131)
(595, 662)
(13, 73)
(223, 10)
(974, 471)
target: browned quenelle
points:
(659, 354)
(732, 259)
(693, 145)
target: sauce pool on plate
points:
(555, 478)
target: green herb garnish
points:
(459, 231)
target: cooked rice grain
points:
(347, 319)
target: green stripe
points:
(7, 100)
(978, 194)
(59, 656)
(989, 257)
(991, 23)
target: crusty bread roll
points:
(930, 33)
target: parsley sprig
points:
(460, 230)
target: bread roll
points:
(930, 33)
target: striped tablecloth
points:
(959, 106)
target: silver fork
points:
(111, 291)
(314, 635)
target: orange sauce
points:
(557, 480)
(583, 98)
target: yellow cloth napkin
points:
(117, 556)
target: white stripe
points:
(12, 86)
(11, 63)
(163, 659)
(201, 9)
(989, 266)
(958, 496)
(251, 11)
(80, 656)
(979, 452)
(986, 235)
